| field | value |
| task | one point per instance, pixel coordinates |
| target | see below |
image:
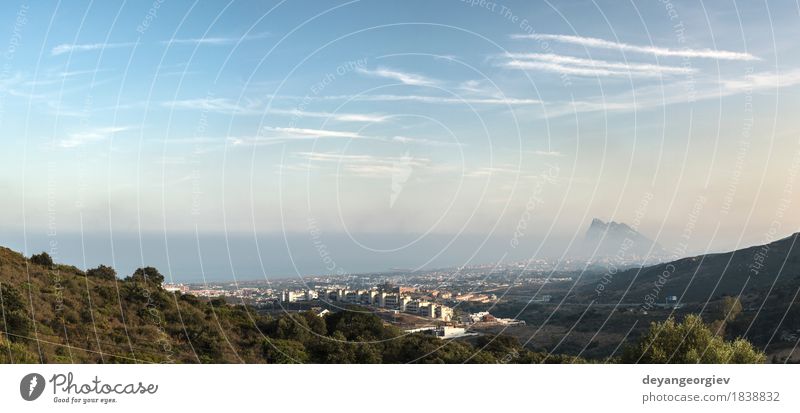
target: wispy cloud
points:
(548, 153)
(422, 141)
(335, 116)
(436, 99)
(368, 166)
(210, 41)
(216, 105)
(77, 139)
(412, 79)
(216, 41)
(72, 48)
(488, 171)
(762, 81)
(649, 97)
(593, 42)
(256, 107)
(314, 133)
(587, 67)
(278, 135)
(74, 73)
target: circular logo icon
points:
(31, 386)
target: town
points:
(447, 302)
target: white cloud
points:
(74, 73)
(312, 133)
(422, 141)
(547, 153)
(340, 117)
(402, 77)
(216, 105)
(762, 81)
(494, 170)
(593, 42)
(215, 41)
(368, 166)
(588, 67)
(86, 137)
(649, 97)
(212, 41)
(72, 48)
(254, 107)
(436, 99)
(285, 135)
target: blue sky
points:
(402, 134)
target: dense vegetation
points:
(690, 342)
(58, 314)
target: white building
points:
(288, 296)
(445, 332)
(413, 306)
(176, 288)
(444, 313)
(403, 304)
(427, 310)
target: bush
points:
(102, 272)
(284, 351)
(691, 341)
(147, 275)
(15, 322)
(42, 259)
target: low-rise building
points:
(412, 306)
(427, 310)
(402, 305)
(352, 297)
(391, 300)
(444, 313)
(368, 297)
(176, 288)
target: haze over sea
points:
(222, 258)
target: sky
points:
(250, 139)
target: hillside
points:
(59, 314)
(750, 272)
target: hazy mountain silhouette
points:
(617, 241)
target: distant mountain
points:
(754, 273)
(617, 241)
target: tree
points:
(147, 275)
(335, 350)
(731, 307)
(691, 341)
(726, 312)
(357, 322)
(16, 322)
(103, 272)
(42, 259)
(284, 352)
(500, 346)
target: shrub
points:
(42, 259)
(691, 341)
